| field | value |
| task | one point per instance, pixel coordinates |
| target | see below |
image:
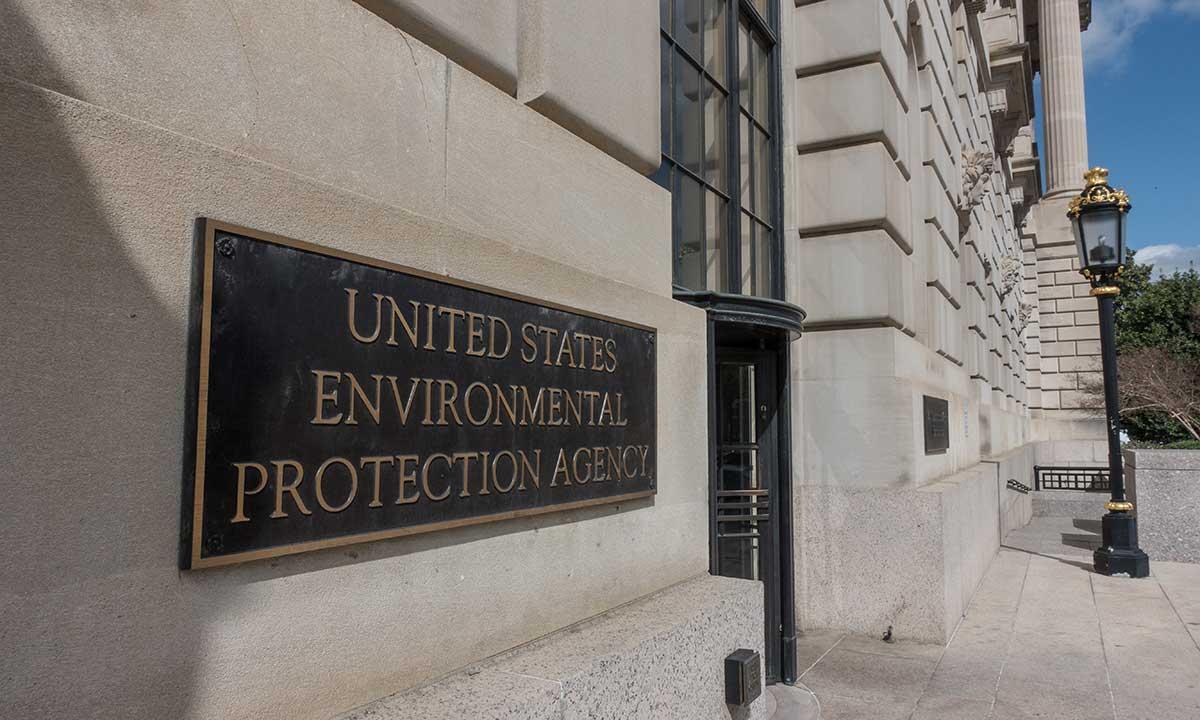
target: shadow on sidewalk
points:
(1077, 563)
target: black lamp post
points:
(1098, 218)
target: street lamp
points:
(1098, 218)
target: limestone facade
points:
(507, 143)
(916, 174)
(1066, 354)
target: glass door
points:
(747, 453)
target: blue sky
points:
(1142, 68)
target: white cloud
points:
(1187, 7)
(1168, 258)
(1108, 40)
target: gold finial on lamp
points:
(1096, 176)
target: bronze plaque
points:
(340, 399)
(937, 425)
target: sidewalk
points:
(1044, 637)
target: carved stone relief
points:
(977, 167)
(1024, 315)
(1012, 270)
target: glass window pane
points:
(744, 65)
(761, 77)
(714, 39)
(746, 281)
(737, 470)
(744, 160)
(737, 557)
(689, 130)
(666, 94)
(1100, 230)
(664, 14)
(714, 231)
(762, 174)
(715, 154)
(687, 26)
(736, 389)
(689, 254)
(764, 250)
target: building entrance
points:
(750, 501)
(750, 489)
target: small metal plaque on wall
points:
(937, 425)
(341, 399)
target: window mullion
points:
(733, 217)
(775, 147)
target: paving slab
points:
(878, 679)
(836, 707)
(950, 707)
(900, 648)
(812, 644)
(1044, 637)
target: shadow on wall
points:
(97, 216)
(89, 626)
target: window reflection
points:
(690, 263)
(689, 130)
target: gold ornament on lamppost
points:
(1098, 219)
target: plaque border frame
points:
(197, 406)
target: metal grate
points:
(1093, 479)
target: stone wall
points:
(660, 657)
(1164, 486)
(911, 558)
(582, 64)
(1016, 509)
(1065, 354)
(904, 235)
(1072, 453)
(906, 205)
(123, 124)
(1068, 340)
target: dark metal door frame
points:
(770, 504)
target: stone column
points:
(1065, 120)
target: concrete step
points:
(1068, 503)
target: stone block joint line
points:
(1103, 649)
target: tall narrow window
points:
(719, 110)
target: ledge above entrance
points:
(746, 310)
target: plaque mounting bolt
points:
(225, 246)
(214, 543)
